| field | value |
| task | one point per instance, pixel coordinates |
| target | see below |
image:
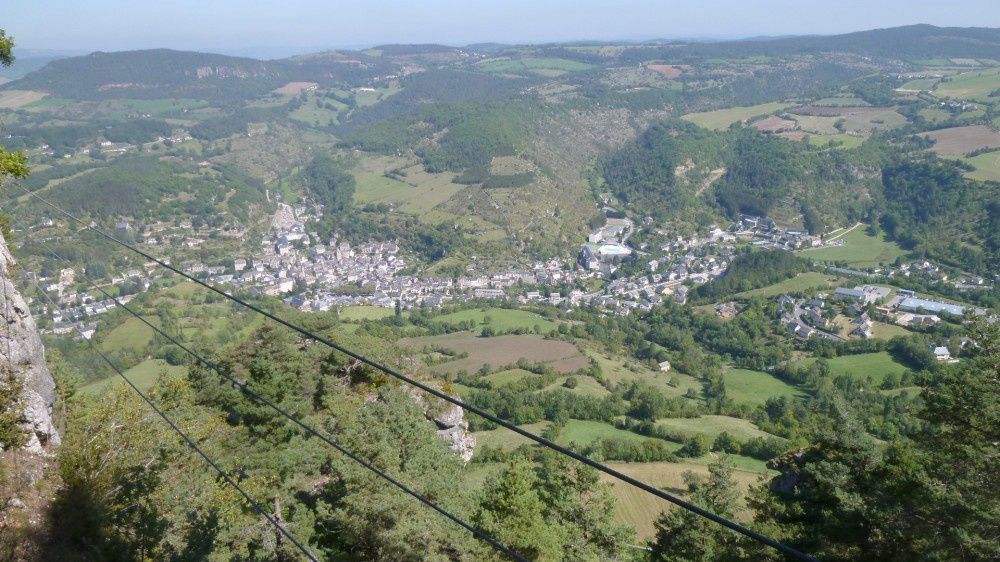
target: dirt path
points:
(844, 233)
(712, 176)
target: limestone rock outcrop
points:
(21, 351)
(452, 425)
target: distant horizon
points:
(282, 51)
(274, 30)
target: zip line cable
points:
(482, 535)
(743, 530)
(190, 442)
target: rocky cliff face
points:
(453, 428)
(21, 350)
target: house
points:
(816, 317)
(726, 310)
(941, 353)
(664, 366)
(681, 295)
(863, 331)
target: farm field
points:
(499, 319)
(13, 99)
(841, 101)
(361, 312)
(919, 85)
(585, 432)
(500, 351)
(585, 386)
(314, 116)
(641, 509)
(818, 124)
(144, 375)
(544, 66)
(617, 371)
(855, 119)
(801, 282)
(712, 426)
(501, 378)
(130, 334)
(415, 191)
(839, 140)
(722, 118)
(987, 166)
(163, 105)
(755, 387)
(958, 141)
(876, 365)
(507, 439)
(975, 84)
(859, 250)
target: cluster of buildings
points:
(847, 312)
(764, 232)
(605, 246)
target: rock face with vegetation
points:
(27, 378)
(452, 425)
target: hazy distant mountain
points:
(158, 73)
(908, 42)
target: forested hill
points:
(907, 42)
(158, 72)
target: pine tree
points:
(512, 512)
(684, 536)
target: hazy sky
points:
(232, 25)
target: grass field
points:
(920, 84)
(875, 365)
(712, 426)
(641, 509)
(859, 250)
(144, 375)
(544, 66)
(838, 101)
(585, 386)
(507, 439)
(501, 378)
(885, 331)
(585, 432)
(801, 282)
(987, 166)
(165, 105)
(310, 114)
(722, 118)
(975, 84)
(840, 141)
(130, 334)
(755, 387)
(365, 312)
(500, 319)
(500, 351)
(618, 370)
(418, 192)
(13, 99)
(818, 124)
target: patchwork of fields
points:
(722, 118)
